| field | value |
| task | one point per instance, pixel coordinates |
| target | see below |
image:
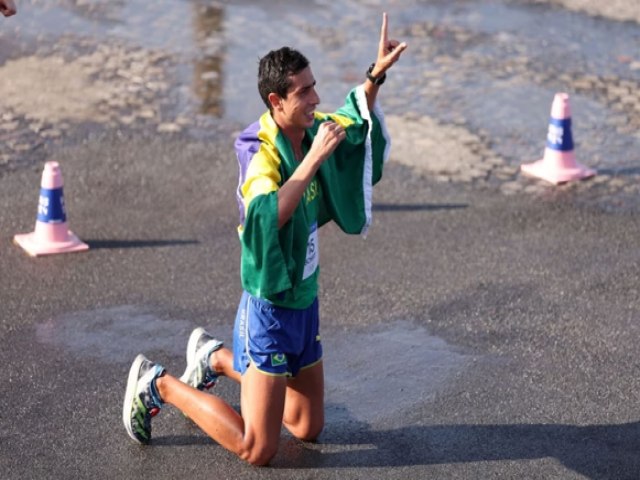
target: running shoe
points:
(141, 400)
(199, 373)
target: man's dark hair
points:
(275, 69)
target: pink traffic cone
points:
(559, 164)
(51, 234)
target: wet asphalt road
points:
(477, 332)
(538, 298)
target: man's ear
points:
(275, 101)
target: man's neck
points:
(295, 135)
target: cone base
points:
(36, 247)
(556, 174)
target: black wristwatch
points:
(375, 80)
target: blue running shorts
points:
(276, 340)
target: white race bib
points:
(313, 253)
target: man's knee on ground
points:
(307, 432)
(259, 455)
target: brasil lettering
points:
(311, 191)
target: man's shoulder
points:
(261, 132)
(259, 144)
(248, 139)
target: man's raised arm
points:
(389, 52)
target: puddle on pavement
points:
(114, 335)
(370, 374)
(378, 374)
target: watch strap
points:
(375, 80)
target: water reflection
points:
(207, 72)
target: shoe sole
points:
(191, 349)
(193, 343)
(191, 354)
(130, 395)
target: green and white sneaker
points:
(141, 400)
(199, 373)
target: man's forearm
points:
(292, 190)
(371, 92)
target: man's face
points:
(298, 108)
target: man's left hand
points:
(389, 51)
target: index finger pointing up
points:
(383, 30)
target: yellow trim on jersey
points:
(341, 120)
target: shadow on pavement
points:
(604, 452)
(410, 207)
(114, 244)
(182, 440)
(596, 451)
(613, 172)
